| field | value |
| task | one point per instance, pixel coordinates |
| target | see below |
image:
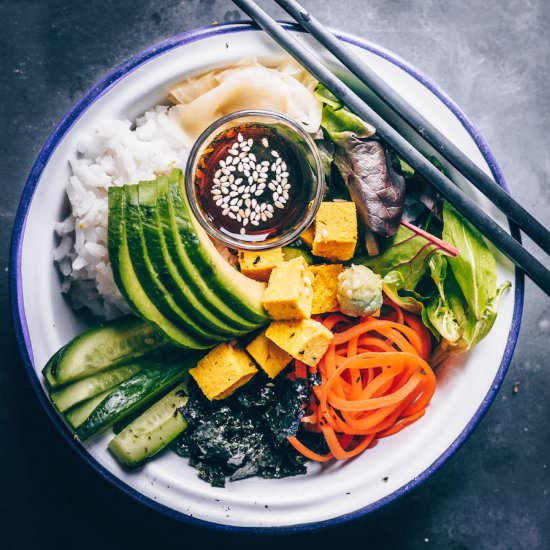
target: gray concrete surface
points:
(493, 58)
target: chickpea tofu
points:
(259, 265)
(335, 231)
(223, 370)
(271, 358)
(325, 288)
(289, 292)
(306, 340)
(308, 235)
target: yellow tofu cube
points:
(288, 294)
(308, 235)
(271, 358)
(305, 340)
(335, 231)
(258, 265)
(223, 370)
(325, 287)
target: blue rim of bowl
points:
(16, 292)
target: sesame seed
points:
(241, 213)
(217, 174)
(284, 174)
(245, 222)
(239, 203)
(275, 154)
(283, 165)
(239, 218)
(231, 178)
(279, 204)
(250, 142)
(255, 175)
(245, 195)
(263, 217)
(242, 155)
(252, 156)
(265, 143)
(246, 148)
(222, 163)
(253, 188)
(216, 192)
(279, 190)
(219, 202)
(259, 192)
(233, 194)
(234, 208)
(247, 202)
(238, 180)
(285, 195)
(233, 201)
(216, 181)
(242, 231)
(241, 189)
(225, 212)
(269, 214)
(233, 152)
(255, 222)
(262, 206)
(239, 137)
(235, 160)
(275, 196)
(232, 216)
(272, 186)
(278, 161)
(225, 190)
(273, 167)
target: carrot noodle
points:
(374, 381)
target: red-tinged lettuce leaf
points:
(378, 190)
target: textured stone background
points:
(493, 58)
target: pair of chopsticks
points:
(513, 249)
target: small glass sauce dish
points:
(255, 180)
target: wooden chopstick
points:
(498, 196)
(464, 204)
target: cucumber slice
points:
(77, 415)
(127, 281)
(89, 387)
(100, 348)
(152, 431)
(142, 388)
(290, 252)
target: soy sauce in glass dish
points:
(255, 180)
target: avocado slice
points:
(127, 281)
(204, 314)
(149, 277)
(236, 294)
(183, 242)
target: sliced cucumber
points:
(143, 387)
(290, 252)
(100, 348)
(89, 387)
(77, 415)
(152, 431)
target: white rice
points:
(115, 154)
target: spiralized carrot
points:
(374, 381)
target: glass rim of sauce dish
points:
(311, 196)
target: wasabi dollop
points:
(359, 291)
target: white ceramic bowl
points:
(327, 494)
